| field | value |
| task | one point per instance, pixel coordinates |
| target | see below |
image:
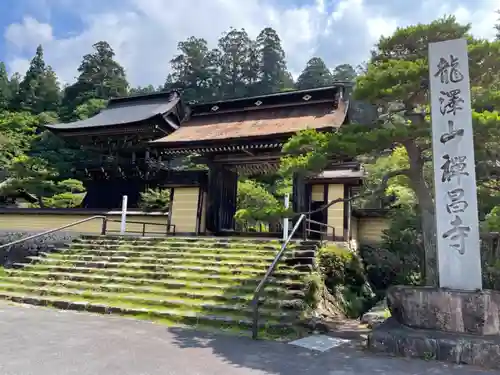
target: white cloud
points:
(144, 33)
(28, 34)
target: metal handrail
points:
(144, 223)
(308, 229)
(103, 230)
(270, 270)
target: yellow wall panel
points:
(318, 193)
(336, 212)
(370, 229)
(185, 208)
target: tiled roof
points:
(125, 111)
(258, 123)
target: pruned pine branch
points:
(377, 191)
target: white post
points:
(457, 223)
(285, 220)
(123, 224)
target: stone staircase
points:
(203, 282)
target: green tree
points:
(38, 90)
(274, 76)
(255, 203)
(497, 27)
(5, 89)
(194, 70)
(143, 90)
(49, 91)
(155, 200)
(100, 77)
(315, 74)
(235, 63)
(14, 83)
(18, 129)
(394, 80)
(90, 108)
(398, 187)
(344, 72)
(37, 177)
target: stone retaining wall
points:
(19, 252)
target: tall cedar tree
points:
(38, 90)
(5, 89)
(235, 61)
(101, 77)
(344, 72)
(273, 73)
(315, 74)
(194, 70)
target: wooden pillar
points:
(221, 204)
(301, 198)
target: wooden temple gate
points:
(142, 139)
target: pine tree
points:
(315, 74)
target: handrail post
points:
(304, 230)
(255, 319)
(143, 229)
(104, 225)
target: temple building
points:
(139, 142)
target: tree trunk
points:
(427, 213)
(40, 201)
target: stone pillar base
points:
(452, 325)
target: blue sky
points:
(144, 33)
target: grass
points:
(206, 283)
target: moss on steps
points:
(203, 282)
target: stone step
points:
(287, 311)
(168, 254)
(271, 296)
(171, 254)
(204, 239)
(161, 270)
(152, 277)
(173, 286)
(192, 318)
(196, 248)
(208, 260)
(182, 280)
(174, 243)
(152, 264)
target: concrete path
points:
(39, 341)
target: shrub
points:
(155, 200)
(398, 259)
(345, 278)
(340, 266)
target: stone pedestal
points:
(451, 325)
